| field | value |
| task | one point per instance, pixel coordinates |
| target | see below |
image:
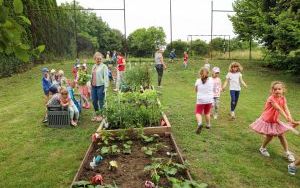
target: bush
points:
(10, 65)
(179, 46)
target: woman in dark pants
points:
(159, 65)
(99, 84)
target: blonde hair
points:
(235, 64)
(274, 83)
(202, 74)
(63, 90)
(97, 54)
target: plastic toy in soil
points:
(149, 184)
(97, 179)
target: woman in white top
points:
(234, 77)
(204, 90)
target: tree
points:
(12, 30)
(199, 47)
(275, 24)
(218, 44)
(143, 42)
(179, 46)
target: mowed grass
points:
(227, 155)
(32, 155)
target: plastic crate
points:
(58, 116)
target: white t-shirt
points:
(234, 81)
(205, 92)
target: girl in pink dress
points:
(269, 124)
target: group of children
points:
(208, 91)
(58, 90)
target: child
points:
(269, 124)
(217, 88)
(185, 59)
(46, 83)
(83, 78)
(121, 69)
(234, 77)
(66, 101)
(204, 90)
(52, 75)
(62, 79)
(172, 55)
(206, 64)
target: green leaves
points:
(25, 20)
(18, 6)
(3, 13)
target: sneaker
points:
(198, 130)
(290, 156)
(215, 116)
(292, 169)
(208, 126)
(232, 114)
(45, 120)
(264, 152)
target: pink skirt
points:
(265, 128)
(84, 90)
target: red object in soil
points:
(149, 184)
(97, 180)
(95, 136)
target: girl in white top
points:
(204, 90)
(234, 77)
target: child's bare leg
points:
(207, 118)
(283, 142)
(267, 141)
(199, 119)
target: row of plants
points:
(133, 110)
(117, 159)
(137, 76)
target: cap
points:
(84, 64)
(52, 71)
(78, 65)
(216, 70)
(45, 69)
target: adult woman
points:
(99, 84)
(159, 65)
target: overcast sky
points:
(189, 16)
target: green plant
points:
(176, 183)
(133, 110)
(148, 150)
(136, 76)
(127, 147)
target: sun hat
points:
(52, 71)
(45, 69)
(216, 70)
(84, 64)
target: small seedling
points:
(115, 150)
(148, 150)
(105, 150)
(127, 147)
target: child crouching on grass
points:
(204, 90)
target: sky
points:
(189, 16)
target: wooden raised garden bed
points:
(132, 166)
(164, 127)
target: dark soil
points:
(130, 172)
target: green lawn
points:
(32, 155)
